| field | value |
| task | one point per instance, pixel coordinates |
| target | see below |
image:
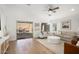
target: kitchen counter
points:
(56, 48)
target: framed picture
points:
(54, 27)
(37, 24)
(66, 25)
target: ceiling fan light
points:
(54, 11)
(49, 13)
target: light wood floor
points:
(20, 46)
(23, 46)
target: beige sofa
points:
(67, 35)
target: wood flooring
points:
(23, 46)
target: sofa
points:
(67, 35)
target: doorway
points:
(24, 30)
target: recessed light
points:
(72, 9)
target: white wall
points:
(74, 22)
(14, 13)
(3, 22)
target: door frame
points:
(24, 22)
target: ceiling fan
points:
(52, 9)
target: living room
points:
(50, 21)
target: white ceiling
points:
(65, 10)
(40, 10)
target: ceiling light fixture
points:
(72, 9)
(50, 12)
(52, 9)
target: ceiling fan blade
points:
(55, 8)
